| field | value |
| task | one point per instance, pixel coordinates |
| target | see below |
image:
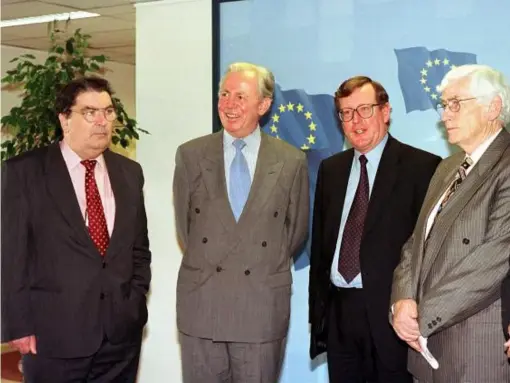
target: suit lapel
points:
(123, 204)
(61, 189)
(213, 172)
(267, 171)
(460, 199)
(384, 180)
(336, 196)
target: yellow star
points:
(275, 117)
(305, 147)
(274, 129)
(429, 64)
(300, 107)
(433, 96)
(308, 115)
(281, 108)
(423, 72)
(427, 89)
(437, 62)
(311, 139)
(446, 62)
(312, 126)
(290, 106)
(423, 81)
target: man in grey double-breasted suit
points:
(242, 203)
(447, 287)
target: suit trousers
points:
(112, 363)
(205, 361)
(351, 353)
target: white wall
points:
(173, 95)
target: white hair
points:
(265, 78)
(485, 84)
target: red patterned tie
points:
(348, 264)
(98, 229)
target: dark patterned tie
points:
(348, 264)
(454, 186)
(459, 177)
(98, 229)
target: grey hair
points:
(265, 77)
(485, 84)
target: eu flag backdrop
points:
(307, 122)
(420, 71)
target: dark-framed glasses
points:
(364, 111)
(453, 104)
(91, 114)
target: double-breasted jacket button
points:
(247, 272)
(264, 244)
(219, 269)
(204, 240)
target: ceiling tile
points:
(87, 4)
(29, 9)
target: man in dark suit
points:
(241, 204)
(366, 203)
(75, 249)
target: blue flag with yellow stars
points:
(420, 72)
(309, 123)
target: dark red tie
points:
(98, 229)
(348, 264)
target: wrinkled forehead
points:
(93, 99)
(457, 89)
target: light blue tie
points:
(240, 180)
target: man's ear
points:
(64, 122)
(495, 108)
(264, 105)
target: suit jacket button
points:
(104, 265)
(264, 243)
(219, 269)
(101, 296)
(204, 240)
(434, 322)
(197, 210)
(430, 325)
(246, 272)
(465, 241)
(275, 214)
(438, 319)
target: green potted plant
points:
(34, 122)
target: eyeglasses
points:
(453, 104)
(91, 114)
(364, 111)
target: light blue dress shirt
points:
(250, 152)
(373, 157)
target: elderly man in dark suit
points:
(75, 250)
(241, 203)
(446, 295)
(366, 203)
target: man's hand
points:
(24, 345)
(405, 322)
(507, 344)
